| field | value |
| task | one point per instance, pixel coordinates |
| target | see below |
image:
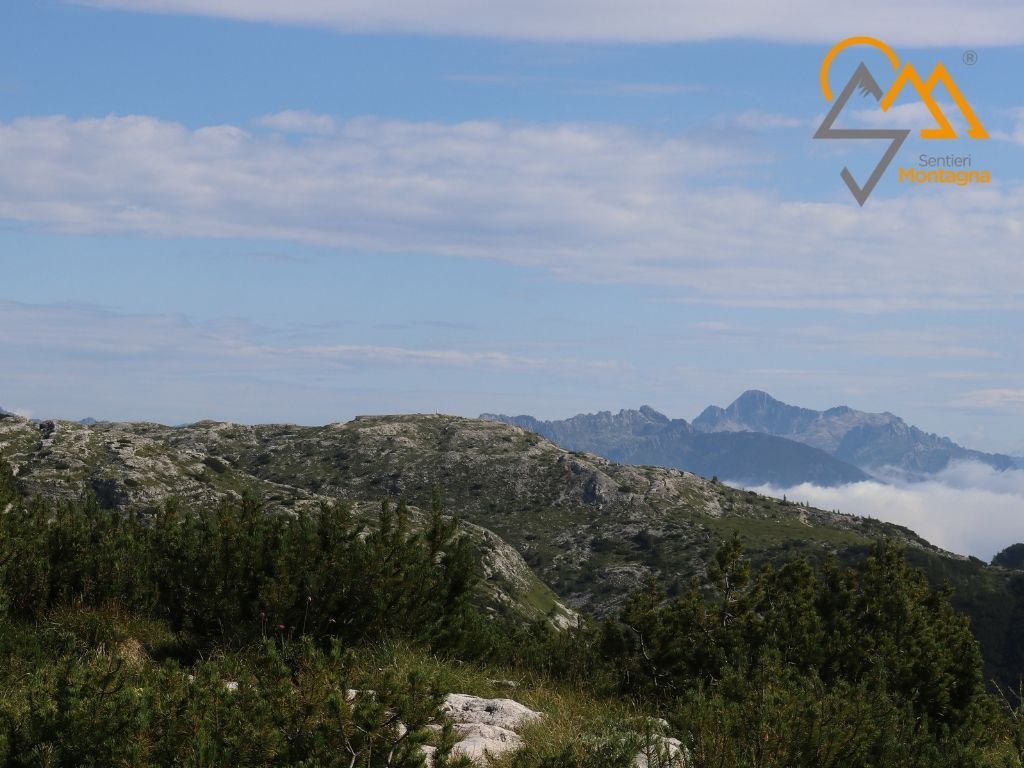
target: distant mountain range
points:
(871, 441)
(758, 440)
(648, 437)
(88, 421)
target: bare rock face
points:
(483, 726)
(491, 727)
(661, 750)
(478, 741)
(504, 713)
(487, 726)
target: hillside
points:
(645, 436)
(139, 466)
(225, 635)
(871, 441)
(590, 528)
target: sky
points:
(299, 212)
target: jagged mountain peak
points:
(756, 411)
(646, 436)
(758, 401)
(756, 395)
(839, 410)
(654, 415)
(628, 421)
(871, 441)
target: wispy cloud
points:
(168, 366)
(298, 121)
(456, 358)
(584, 202)
(968, 508)
(943, 22)
(101, 335)
(936, 343)
(491, 80)
(589, 87)
(637, 89)
(1006, 399)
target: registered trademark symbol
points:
(970, 58)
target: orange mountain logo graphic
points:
(864, 82)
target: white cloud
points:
(585, 202)
(968, 508)
(1016, 133)
(913, 115)
(939, 23)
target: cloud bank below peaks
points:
(968, 508)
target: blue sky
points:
(301, 212)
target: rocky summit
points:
(559, 530)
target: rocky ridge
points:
(872, 441)
(592, 528)
(646, 436)
(140, 466)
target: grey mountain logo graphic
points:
(863, 81)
